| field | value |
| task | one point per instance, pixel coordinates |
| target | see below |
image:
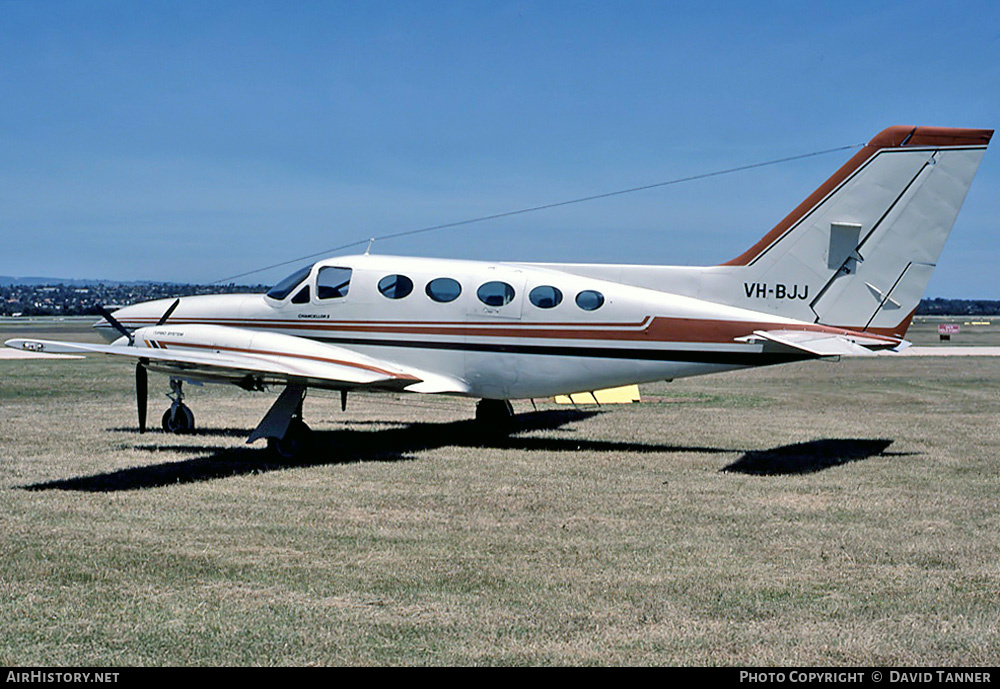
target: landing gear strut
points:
(287, 434)
(178, 418)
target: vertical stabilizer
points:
(860, 250)
(857, 253)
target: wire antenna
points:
(533, 209)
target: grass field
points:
(813, 514)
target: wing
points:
(253, 359)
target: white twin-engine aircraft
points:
(841, 275)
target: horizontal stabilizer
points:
(828, 344)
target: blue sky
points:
(193, 141)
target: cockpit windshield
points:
(285, 287)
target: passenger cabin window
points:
(495, 293)
(333, 282)
(545, 296)
(443, 289)
(285, 287)
(302, 297)
(395, 286)
(589, 300)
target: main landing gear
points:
(178, 418)
(294, 442)
(287, 434)
(495, 415)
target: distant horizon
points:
(56, 281)
(11, 280)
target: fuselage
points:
(505, 330)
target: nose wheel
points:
(178, 418)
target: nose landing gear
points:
(178, 418)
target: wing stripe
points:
(339, 362)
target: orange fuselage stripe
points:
(657, 330)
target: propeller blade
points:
(165, 316)
(141, 394)
(115, 324)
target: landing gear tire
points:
(495, 415)
(294, 443)
(179, 419)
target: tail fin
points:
(860, 250)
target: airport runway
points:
(945, 351)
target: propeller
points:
(166, 314)
(141, 375)
(141, 392)
(115, 324)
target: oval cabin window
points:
(590, 300)
(395, 286)
(545, 296)
(495, 293)
(443, 289)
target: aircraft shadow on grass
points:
(811, 457)
(401, 443)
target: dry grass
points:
(811, 514)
